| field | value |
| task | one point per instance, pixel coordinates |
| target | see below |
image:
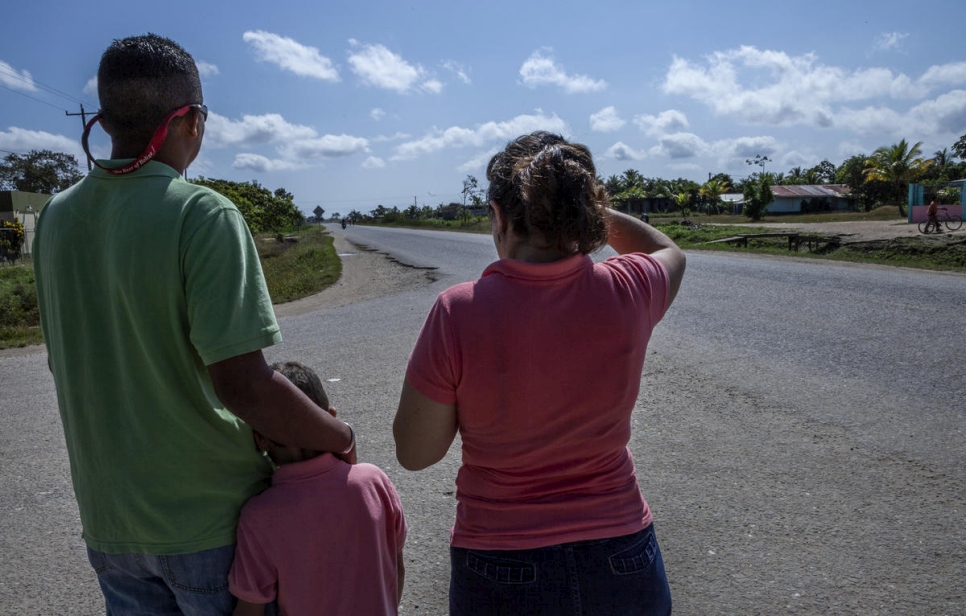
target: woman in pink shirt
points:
(538, 365)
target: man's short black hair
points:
(141, 79)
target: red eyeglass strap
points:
(155, 144)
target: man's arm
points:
(272, 405)
(628, 234)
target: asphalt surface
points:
(799, 437)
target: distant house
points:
(800, 199)
(809, 198)
(733, 202)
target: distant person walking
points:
(155, 311)
(932, 213)
(537, 365)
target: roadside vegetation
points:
(19, 317)
(301, 265)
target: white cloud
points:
(952, 74)
(743, 148)
(374, 162)
(379, 67)
(291, 55)
(945, 116)
(847, 149)
(680, 145)
(397, 136)
(257, 162)
(458, 70)
(541, 70)
(771, 87)
(889, 40)
(253, 130)
(663, 123)
(478, 162)
(606, 120)
(457, 136)
(434, 86)
(622, 151)
(377, 114)
(794, 158)
(90, 88)
(206, 69)
(326, 146)
(23, 140)
(10, 78)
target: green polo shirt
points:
(143, 280)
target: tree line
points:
(47, 172)
(877, 179)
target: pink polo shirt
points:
(544, 365)
(324, 539)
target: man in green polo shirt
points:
(155, 313)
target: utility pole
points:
(83, 115)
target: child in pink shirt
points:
(326, 538)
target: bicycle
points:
(951, 221)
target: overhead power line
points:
(33, 82)
(32, 98)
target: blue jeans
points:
(623, 575)
(181, 584)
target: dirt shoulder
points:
(366, 274)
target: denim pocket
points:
(204, 572)
(99, 561)
(637, 558)
(500, 570)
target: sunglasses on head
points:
(153, 146)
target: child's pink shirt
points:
(543, 362)
(324, 538)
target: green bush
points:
(19, 315)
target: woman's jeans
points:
(189, 584)
(622, 575)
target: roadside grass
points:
(293, 269)
(942, 253)
(19, 316)
(303, 265)
(885, 212)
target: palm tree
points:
(811, 177)
(632, 178)
(897, 164)
(683, 199)
(941, 158)
(712, 191)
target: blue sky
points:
(354, 104)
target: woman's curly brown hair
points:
(548, 187)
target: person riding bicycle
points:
(933, 214)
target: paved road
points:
(799, 437)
